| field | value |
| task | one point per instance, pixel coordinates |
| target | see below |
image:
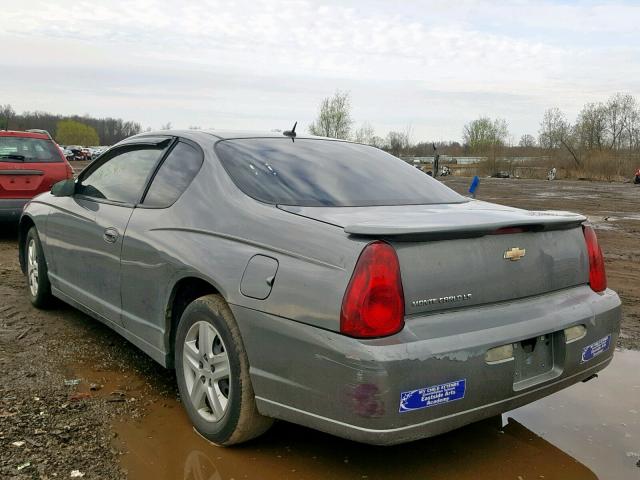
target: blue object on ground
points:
(474, 186)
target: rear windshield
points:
(315, 173)
(23, 149)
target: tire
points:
(38, 285)
(221, 408)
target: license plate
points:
(596, 348)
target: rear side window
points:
(174, 176)
(123, 177)
(315, 173)
(29, 150)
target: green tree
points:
(334, 119)
(484, 135)
(70, 132)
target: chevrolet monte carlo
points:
(322, 282)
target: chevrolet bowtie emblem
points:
(514, 254)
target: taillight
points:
(373, 305)
(69, 170)
(597, 275)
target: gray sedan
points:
(321, 282)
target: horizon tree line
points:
(612, 126)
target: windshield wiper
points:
(13, 156)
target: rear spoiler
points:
(467, 224)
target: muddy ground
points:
(124, 416)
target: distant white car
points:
(97, 151)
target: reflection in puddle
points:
(595, 422)
(598, 422)
(587, 428)
(164, 446)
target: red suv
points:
(30, 163)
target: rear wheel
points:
(37, 277)
(212, 370)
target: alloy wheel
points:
(206, 371)
(32, 267)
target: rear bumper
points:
(11, 208)
(352, 388)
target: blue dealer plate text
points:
(596, 348)
(432, 396)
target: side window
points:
(123, 177)
(174, 176)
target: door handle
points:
(110, 235)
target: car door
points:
(147, 263)
(85, 232)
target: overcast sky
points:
(263, 65)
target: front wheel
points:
(212, 370)
(37, 277)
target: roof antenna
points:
(291, 133)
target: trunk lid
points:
(460, 255)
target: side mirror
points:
(64, 188)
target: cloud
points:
(262, 64)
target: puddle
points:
(585, 432)
(597, 422)
(600, 223)
(164, 446)
(96, 382)
(608, 222)
(623, 217)
(565, 196)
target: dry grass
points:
(606, 166)
(603, 166)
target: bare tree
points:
(629, 120)
(633, 129)
(557, 132)
(377, 142)
(397, 142)
(365, 134)
(408, 133)
(166, 126)
(620, 110)
(527, 141)
(334, 118)
(6, 115)
(591, 126)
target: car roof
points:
(226, 134)
(16, 133)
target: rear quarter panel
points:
(211, 233)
